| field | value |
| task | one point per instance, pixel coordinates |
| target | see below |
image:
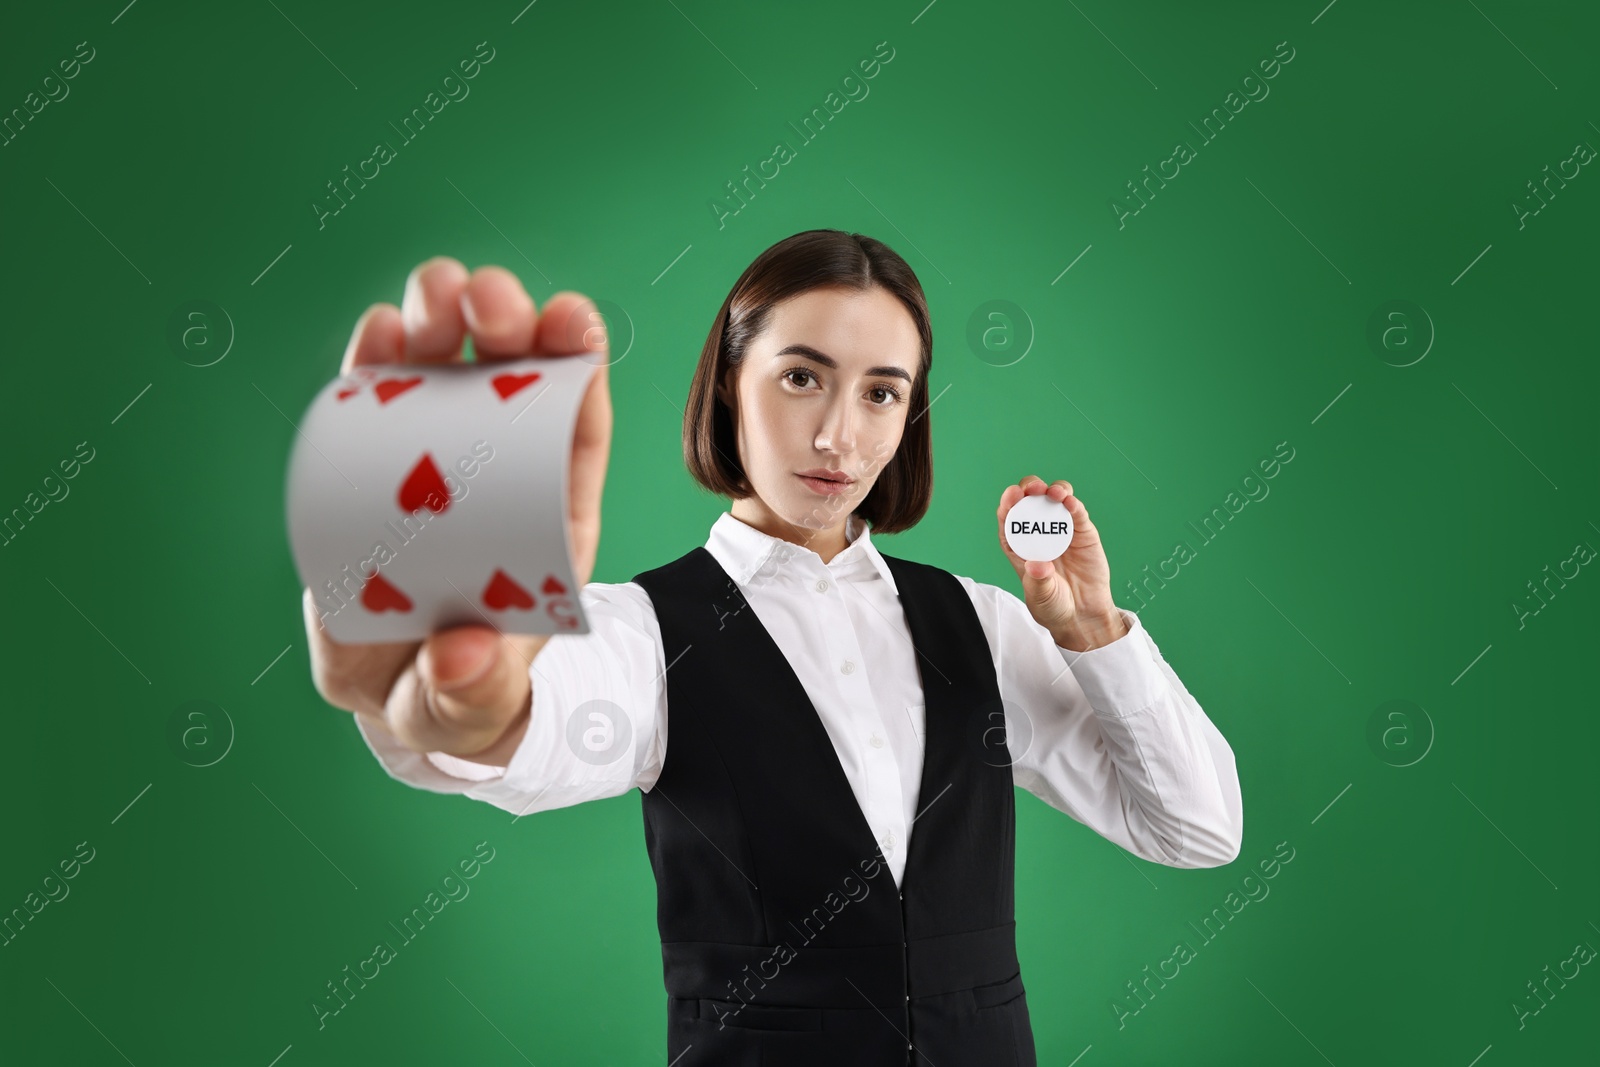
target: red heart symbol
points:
(378, 596)
(508, 385)
(424, 488)
(503, 592)
(346, 394)
(553, 587)
(390, 388)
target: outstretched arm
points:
(1099, 725)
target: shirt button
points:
(877, 742)
(822, 585)
(849, 667)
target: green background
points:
(1229, 315)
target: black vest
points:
(784, 940)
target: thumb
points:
(476, 681)
(1040, 584)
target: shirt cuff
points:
(1122, 677)
(424, 771)
(464, 768)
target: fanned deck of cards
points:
(425, 496)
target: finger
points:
(571, 324)
(591, 450)
(1038, 571)
(1033, 484)
(465, 687)
(379, 337)
(499, 313)
(431, 311)
(1084, 533)
(353, 677)
(1009, 497)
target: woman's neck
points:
(826, 543)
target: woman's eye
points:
(807, 378)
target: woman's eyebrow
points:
(828, 361)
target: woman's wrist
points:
(1086, 634)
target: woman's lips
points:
(823, 486)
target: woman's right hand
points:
(466, 691)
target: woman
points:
(823, 697)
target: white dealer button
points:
(1037, 528)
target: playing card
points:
(427, 496)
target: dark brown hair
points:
(814, 259)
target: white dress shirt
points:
(1109, 736)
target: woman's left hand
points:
(1071, 595)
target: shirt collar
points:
(749, 555)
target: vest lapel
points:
(940, 716)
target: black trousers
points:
(987, 1026)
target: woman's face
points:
(826, 386)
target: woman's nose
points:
(838, 431)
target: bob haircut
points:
(813, 259)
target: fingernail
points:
(430, 671)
